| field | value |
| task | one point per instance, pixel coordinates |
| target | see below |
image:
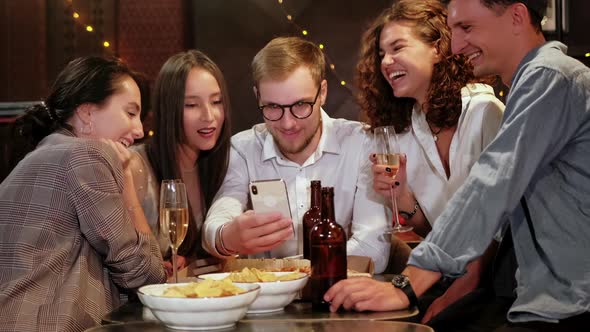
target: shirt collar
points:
(329, 143)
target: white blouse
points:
(478, 124)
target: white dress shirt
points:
(340, 161)
(478, 124)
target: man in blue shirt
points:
(533, 176)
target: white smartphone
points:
(270, 196)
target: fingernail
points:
(388, 170)
(396, 183)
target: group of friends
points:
(79, 213)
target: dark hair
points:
(536, 8)
(89, 79)
(168, 110)
(449, 75)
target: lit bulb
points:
(289, 17)
(106, 44)
(76, 15)
(89, 28)
(332, 66)
(342, 82)
(151, 133)
(321, 46)
(280, 1)
(304, 32)
(588, 55)
(501, 93)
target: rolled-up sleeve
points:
(537, 124)
(230, 201)
(95, 185)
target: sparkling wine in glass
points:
(388, 155)
(174, 216)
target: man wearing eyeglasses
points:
(298, 142)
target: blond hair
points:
(283, 55)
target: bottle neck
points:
(316, 196)
(328, 205)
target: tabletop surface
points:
(296, 311)
(295, 326)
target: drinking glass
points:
(388, 155)
(173, 216)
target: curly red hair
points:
(449, 75)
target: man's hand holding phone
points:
(251, 233)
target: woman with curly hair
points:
(409, 78)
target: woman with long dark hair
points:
(71, 233)
(191, 142)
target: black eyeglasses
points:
(300, 109)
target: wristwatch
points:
(409, 215)
(403, 282)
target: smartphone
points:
(270, 196)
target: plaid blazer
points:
(66, 241)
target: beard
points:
(287, 147)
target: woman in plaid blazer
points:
(72, 233)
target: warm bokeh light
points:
(342, 82)
(332, 66)
(588, 55)
(106, 44)
(289, 17)
(76, 15)
(321, 46)
(151, 133)
(501, 93)
(280, 1)
(89, 28)
(304, 32)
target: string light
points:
(322, 46)
(151, 133)
(501, 93)
(588, 55)
(89, 28)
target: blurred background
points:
(38, 37)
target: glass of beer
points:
(388, 155)
(173, 216)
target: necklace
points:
(435, 134)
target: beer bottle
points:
(312, 216)
(328, 252)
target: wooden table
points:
(289, 326)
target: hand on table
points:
(251, 233)
(364, 293)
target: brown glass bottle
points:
(328, 252)
(312, 216)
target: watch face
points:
(400, 280)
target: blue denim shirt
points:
(542, 152)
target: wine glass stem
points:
(394, 209)
(174, 266)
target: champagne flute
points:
(174, 216)
(388, 155)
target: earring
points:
(87, 129)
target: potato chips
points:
(206, 288)
(256, 275)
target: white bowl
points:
(274, 295)
(197, 313)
